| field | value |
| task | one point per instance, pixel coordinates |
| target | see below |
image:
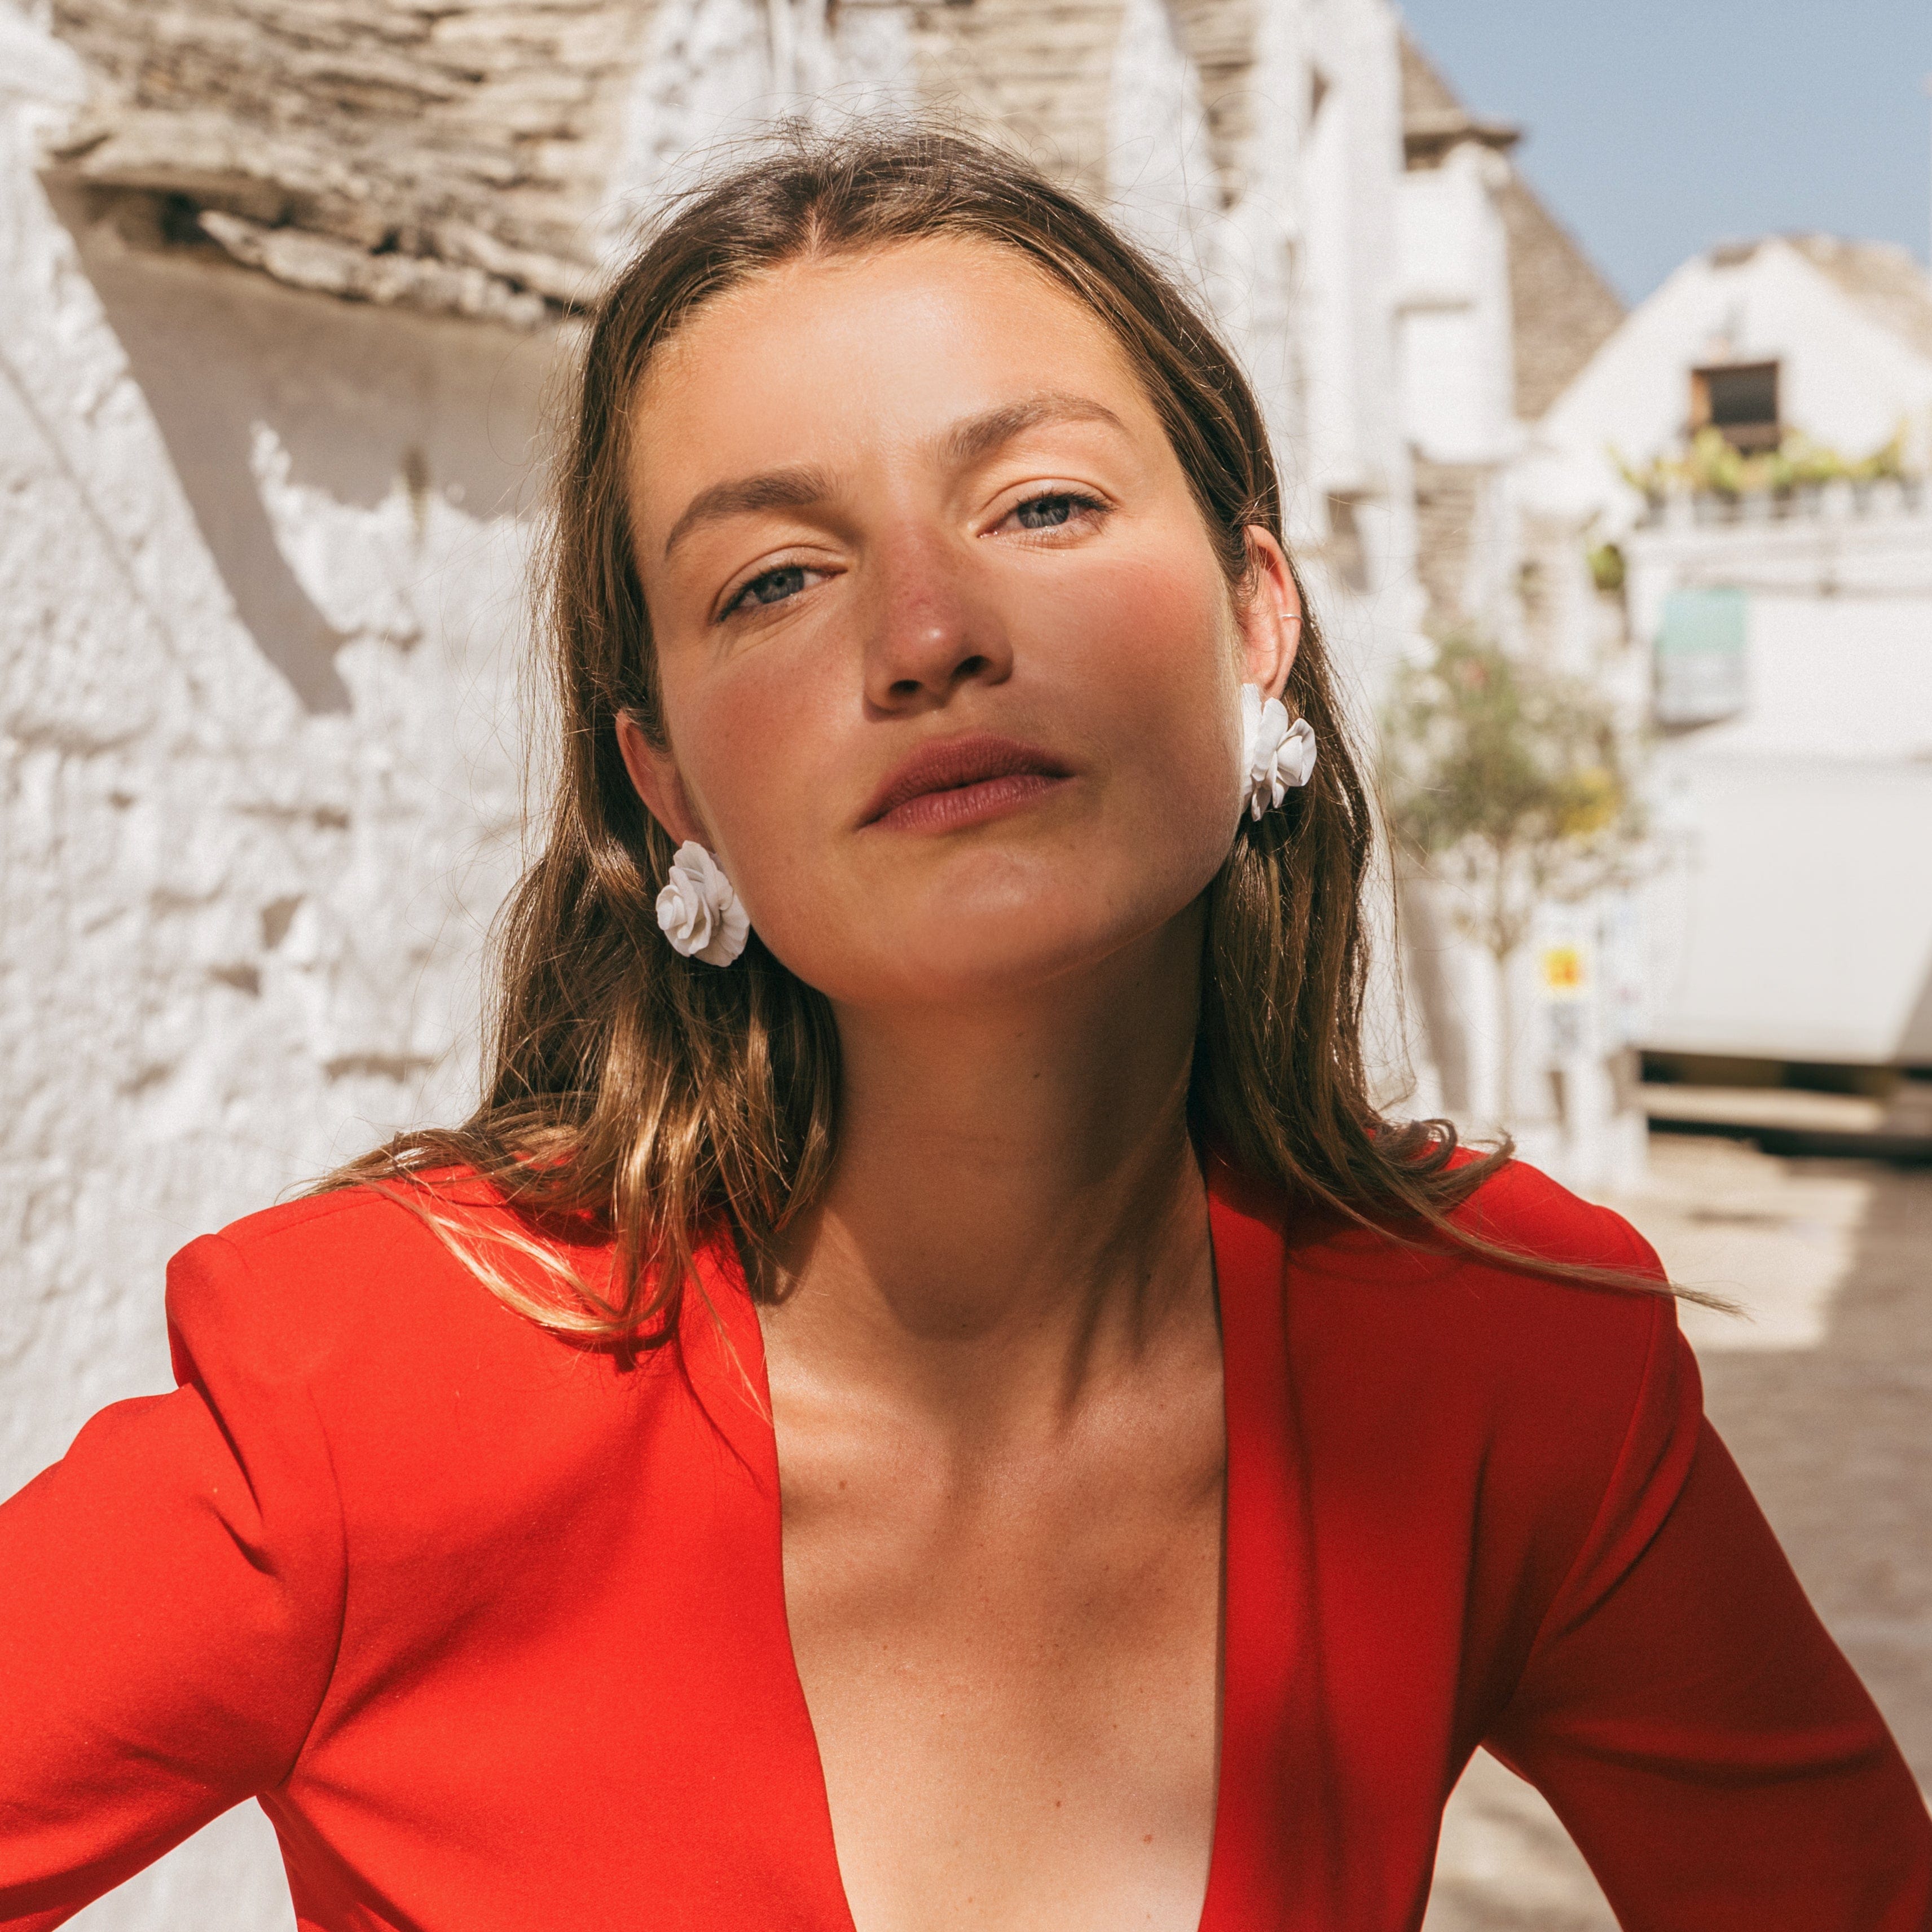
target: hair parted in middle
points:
(657, 1099)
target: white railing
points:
(1842, 501)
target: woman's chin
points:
(962, 957)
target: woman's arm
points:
(170, 1598)
(1709, 1748)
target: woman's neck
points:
(1016, 1210)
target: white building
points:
(1789, 623)
(1499, 311)
(1803, 333)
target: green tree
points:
(1511, 784)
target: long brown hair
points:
(657, 1100)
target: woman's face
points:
(950, 672)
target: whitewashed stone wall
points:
(259, 583)
(260, 563)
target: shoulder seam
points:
(320, 1206)
(1657, 1328)
(341, 1534)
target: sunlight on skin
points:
(924, 608)
(897, 505)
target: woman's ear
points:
(656, 778)
(1267, 613)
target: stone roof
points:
(445, 152)
(1424, 92)
(1884, 279)
(1434, 120)
(467, 155)
(1562, 309)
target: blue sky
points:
(1658, 127)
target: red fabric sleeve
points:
(1685, 1713)
(171, 1596)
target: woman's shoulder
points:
(364, 1216)
(1529, 1234)
(302, 1283)
(1550, 1337)
(1486, 1392)
(1487, 1344)
(1520, 1207)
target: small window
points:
(1739, 400)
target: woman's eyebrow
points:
(967, 441)
(977, 436)
(775, 490)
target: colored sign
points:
(1564, 976)
(1700, 656)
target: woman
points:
(927, 1397)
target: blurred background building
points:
(1753, 441)
(286, 289)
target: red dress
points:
(494, 1628)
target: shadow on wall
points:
(357, 396)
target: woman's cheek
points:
(751, 759)
(1154, 617)
(1169, 665)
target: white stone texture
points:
(474, 133)
(260, 572)
(1161, 180)
(707, 76)
(261, 561)
(1458, 354)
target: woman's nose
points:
(928, 634)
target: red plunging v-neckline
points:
(496, 1628)
(1266, 1687)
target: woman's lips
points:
(961, 781)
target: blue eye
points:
(1046, 513)
(1055, 509)
(774, 586)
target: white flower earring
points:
(698, 909)
(1275, 755)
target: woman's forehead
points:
(896, 342)
(938, 280)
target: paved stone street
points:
(1825, 1398)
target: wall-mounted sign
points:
(1565, 974)
(1700, 656)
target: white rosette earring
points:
(1275, 755)
(699, 911)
